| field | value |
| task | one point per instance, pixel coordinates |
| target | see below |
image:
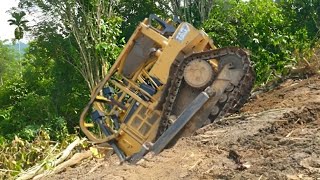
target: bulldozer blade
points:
(173, 130)
(181, 121)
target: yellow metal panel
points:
(155, 36)
(154, 129)
(124, 53)
(127, 143)
(182, 37)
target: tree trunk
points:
(20, 57)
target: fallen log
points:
(75, 159)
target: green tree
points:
(20, 23)
(47, 73)
(92, 27)
(18, 20)
(260, 26)
(192, 11)
(8, 63)
(67, 57)
(303, 14)
(133, 12)
(48, 96)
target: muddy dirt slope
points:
(276, 136)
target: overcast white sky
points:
(6, 31)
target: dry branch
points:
(75, 159)
(289, 134)
(66, 152)
(195, 165)
(7, 170)
(95, 167)
(38, 169)
(31, 172)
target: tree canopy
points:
(8, 63)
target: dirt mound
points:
(291, 93)
(303, 114)
(280, 149)
(275, 137)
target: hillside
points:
(276, 136)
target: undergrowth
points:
(19, 154)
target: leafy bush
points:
(20, 154)
(303, 14)
(24, 113)
(109, 48)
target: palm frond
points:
(12, 22)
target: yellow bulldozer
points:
(168, 81)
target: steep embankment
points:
(276, 136)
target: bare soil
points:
(276, 136)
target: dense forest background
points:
(75, 42)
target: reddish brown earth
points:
(276, 136)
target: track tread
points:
(236, 97)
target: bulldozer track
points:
(233, 98)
